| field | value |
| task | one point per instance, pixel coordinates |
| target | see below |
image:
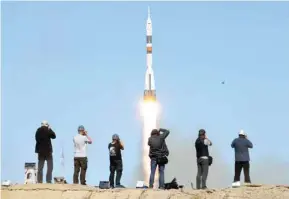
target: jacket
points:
(201, 148)
(157, 143)
(43, 138)
(241, 146)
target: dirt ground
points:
(59, 191)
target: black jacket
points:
(43, 138)
(158, 145)
(201, 148)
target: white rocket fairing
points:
(150, 90)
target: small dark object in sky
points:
(223, 82)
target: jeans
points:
(41, 160)
(239, 165)
(161, 174)
(80, 164)
(115, 166)
(203, 170)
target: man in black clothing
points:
(158, 149)
(202, 152)
(43, 147)
(115, 158)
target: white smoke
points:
(150, 117)
(182, 165)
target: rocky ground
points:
(58, 191)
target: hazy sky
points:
(84, 63)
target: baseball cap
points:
(115, 137)
(242, 132)
(81, 128)
(44, 123)
(202, 132)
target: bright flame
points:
(150, 114)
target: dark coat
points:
(241, 146)
(157, 143)
(43, 138)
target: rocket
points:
(150, 90)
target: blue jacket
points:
(241, 146)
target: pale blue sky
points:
(84, 63)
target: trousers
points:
(80, 164)
(41, 160)
(203, 170)
(115, 166)
(239, 165)
(154, 166)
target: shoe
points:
(119, 186)
(205, 187)
(247, 183)
(83, 184)
(236, 184)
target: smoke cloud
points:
(182, 165)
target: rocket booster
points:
(150, 90)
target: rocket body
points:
(150, 90)
(150, 105)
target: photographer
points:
(203, 156)
(80, 157)
(242, 157)
(43, 147)
(115, 158)
(158, 154)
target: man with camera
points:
(43, 147)
(80, 157)
(115, 159)
(158, 154)
(203, 159)
(242, 157)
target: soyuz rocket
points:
(150, 90)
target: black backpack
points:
(162, 160)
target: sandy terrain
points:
(56, 191)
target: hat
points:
(202, 132)
(81, 128)
(115, 137)
(242, 132)
(44, 123)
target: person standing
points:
(158, 153)
(115, 160)
(43, 148)
(202, 152)
(80, 157)
(241, 146)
